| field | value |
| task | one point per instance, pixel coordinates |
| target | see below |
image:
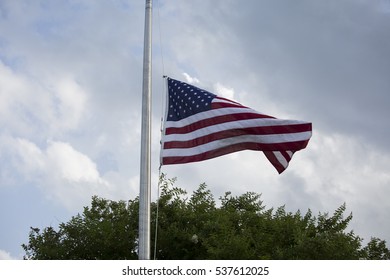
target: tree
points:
(376, 250)
(195, 228)
(106, 230)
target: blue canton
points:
(186, 100)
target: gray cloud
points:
(327, 61)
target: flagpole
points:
(144, 196)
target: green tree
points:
(105, 230)
(376, 250)
(193, 227)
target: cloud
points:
(71, 165)
(339, 168)
(81, 91)
(327, 62)
(30, 109)
(64, 174)
(18, 107)
(223, 91)
(71, 103)
(5, 255)
(191, 80)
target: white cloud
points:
(224, 91)
(20, 101)
(10, 88)
(30, 108)
(64, 174)
(5, 255)
(67, 163)
(191, 80)
(72, 100)
(338, 168)
(32, 160)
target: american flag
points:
(199, 125)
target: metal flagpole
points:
(144, 196)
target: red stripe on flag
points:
(213, 121)
(274, 161)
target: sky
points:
(70, 103)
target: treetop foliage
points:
(195, 228)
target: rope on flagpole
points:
(160, 37)
(161, 129)
(159, 176)
(162, 57)
(157, 214)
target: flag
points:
(200, 125)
